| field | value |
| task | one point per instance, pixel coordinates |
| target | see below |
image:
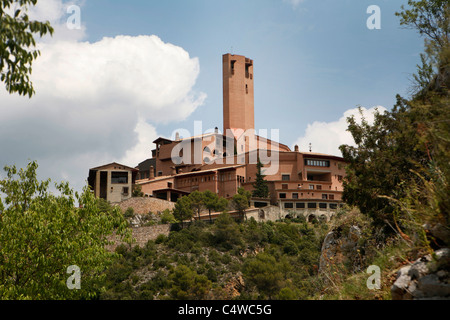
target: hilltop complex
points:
(299, 182)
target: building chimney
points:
(296, 148)
(174, 171)
(177, 136)
(152, 173)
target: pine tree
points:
(261, 189)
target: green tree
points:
(226, 232)
(263, 271)
(431, 18)
(197, 202)
(261, 189)
(241, 201)
(167, 217)
(17, 45)
(221, 205)
(213, 202)
(187, 284)
(398, 172)
(137, 191)
(42, 234)
(183, 209)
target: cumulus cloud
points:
(146, 134)
(326, 137)
(95, 102)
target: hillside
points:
(225, 260)
(250, 260)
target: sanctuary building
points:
(299, 182)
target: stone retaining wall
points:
(145, 205)
(144, 234)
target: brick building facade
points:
(299, 182)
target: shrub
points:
(129, 213)
(167, 217)
(290, 248)
(161, 238)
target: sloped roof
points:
(112, 164)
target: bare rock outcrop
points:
(338, 247)
(426, 278)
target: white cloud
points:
(326, 137)
(95, 102)
(146, 135)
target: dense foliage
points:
(276, 260)
(399, 172)
(17, 44)
(42, 234)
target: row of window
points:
(222, 177)
(317, 163)
(311, 205)
(285, 186)
(294, 195)
(195, 180)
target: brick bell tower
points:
(238, 93)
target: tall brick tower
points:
(238, 94)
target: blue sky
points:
(137, 70)
(312, 61)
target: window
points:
(300, 205)
(312, 205)
(333, 206)
(282, 195)
(324, 197)
(331, 196)
(295, 195)
(119, 177)
(339, 178)
(232, 66)
(125, 191)
(159, 173)
(322, 205)
(288, 205)
(286, 177)
(261, 214)
(284, 186)
(317, 163)
(319, 187)
(311, 187)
